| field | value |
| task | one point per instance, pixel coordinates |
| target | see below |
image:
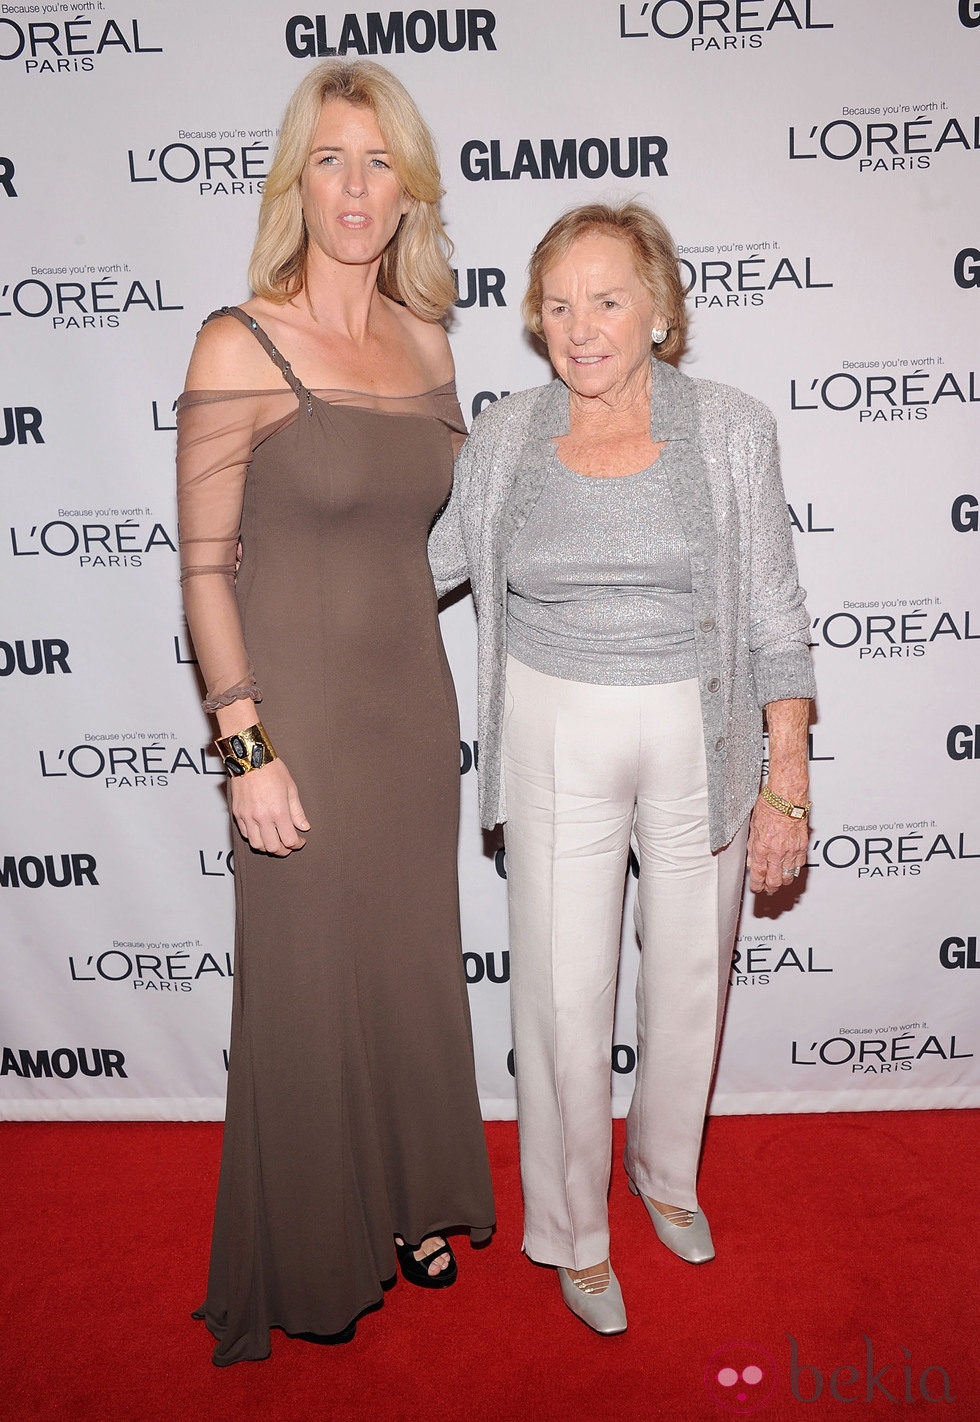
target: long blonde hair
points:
(415, 266)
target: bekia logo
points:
(739, 275)
(760, 957)
(238, 169)
(124, 761)
(910, 394)
(742, 1376)
(483, 160)
(890, 851)
(98, 302)
(887, 635)
(49, 47)
(118, 538)
(718, 25)
(152, 967)
(374, 33)
(890, 143)
(878, 1051)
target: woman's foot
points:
(595, 1297)
(684, 1232)
(430, 1265)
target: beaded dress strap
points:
(276, 356)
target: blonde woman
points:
(316, 437)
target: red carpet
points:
(847, 1233)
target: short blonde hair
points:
(654, 257)
(415, 266)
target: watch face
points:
(797, 812)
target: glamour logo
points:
(965, 513)
(959, 952)
(644, 156)
(83, 305)
(469, 756)
(886, 636)
(723, 282)
(122, 543)
(904, 145)
(59, 871)
(966, 268)
(48, 47)
(478, 966)
(375, 33)
(218, 171)
(877, 1051)
(64, 1062)
(883, 399)
(45, 655)
(141, 764)
(963, 743)
(623, 1059)
(21, 423)
(152, 967)
(969, 13)
(482, 398)
(757, 959)
(711, 25)
(480, 286)
(7, 177)
(889, 851)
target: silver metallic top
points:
(599, 581)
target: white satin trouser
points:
(584, 767)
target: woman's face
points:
(596, 317)
(352, 199)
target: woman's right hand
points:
(266, 807)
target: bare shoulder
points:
(429, 344)
(226, 356)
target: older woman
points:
(628, 542)
(317, 427)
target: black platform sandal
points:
(416, 1271)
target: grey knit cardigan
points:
(751, 625)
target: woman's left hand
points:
(776, 850)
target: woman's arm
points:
(214, 431)
(782, 669)
(778, 843)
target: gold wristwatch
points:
(785, 807)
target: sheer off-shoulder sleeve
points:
(214, 445)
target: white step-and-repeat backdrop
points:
(818, 162)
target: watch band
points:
(785, 807)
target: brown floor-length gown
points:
(352, 1110)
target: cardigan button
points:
(714, 684)
(708, 625)
(720, 743)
